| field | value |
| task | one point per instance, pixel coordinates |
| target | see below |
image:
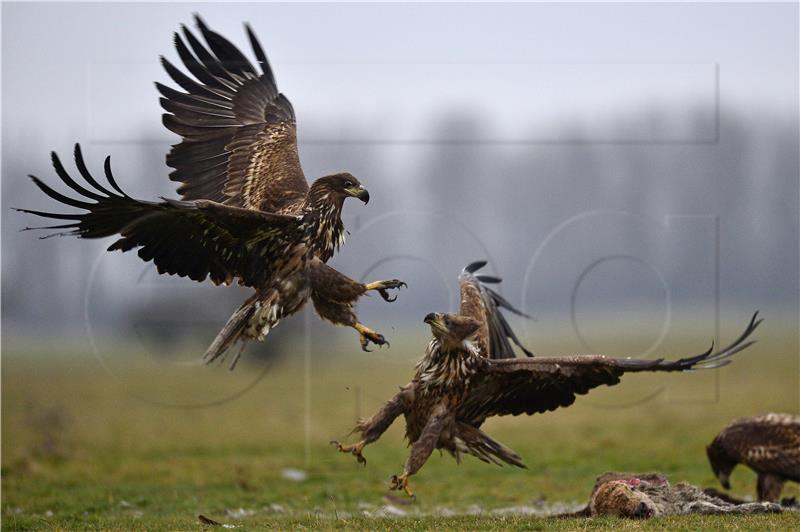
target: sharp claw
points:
(383, 286)
(401, 483)
(368, 336)
(352, 449)
(385, 295)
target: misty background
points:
(613, 162)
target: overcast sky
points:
(383, 72)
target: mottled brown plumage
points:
(239, 132)
(481, 303)
(768, 444)
(247, 213)
(461, 381)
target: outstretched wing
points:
(531, 385)
(194, 239)
(239, 137)
(483, 304)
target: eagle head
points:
(451, 328)
(721, 463)
(343, 186)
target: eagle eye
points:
(348, 184)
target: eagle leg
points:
(401, 483)
(383, 286)
(769, 487)
(368, 335)
(354, 449)
(422, 448)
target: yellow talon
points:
(401, 483)
(367, 335)
(383, 286)
(354, 449)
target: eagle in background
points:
(768, 444)
(469, 373)
(247, 213)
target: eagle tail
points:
(234, 330)
(474, 441)
(252, 321)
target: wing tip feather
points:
(474, 266)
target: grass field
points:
(88, 447)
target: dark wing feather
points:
(531, 385)
(768, 444)
(239, 134)
(483, 304)
(194, 239)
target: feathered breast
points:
(447, 368)
(324, 227)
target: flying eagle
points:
(769, 445)
(247, 213)
(469, 374)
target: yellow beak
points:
(434, 319)
(360, 193)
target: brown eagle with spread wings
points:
(769, 445)
(247, 213)
(470, 373)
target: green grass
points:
(86, 450)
